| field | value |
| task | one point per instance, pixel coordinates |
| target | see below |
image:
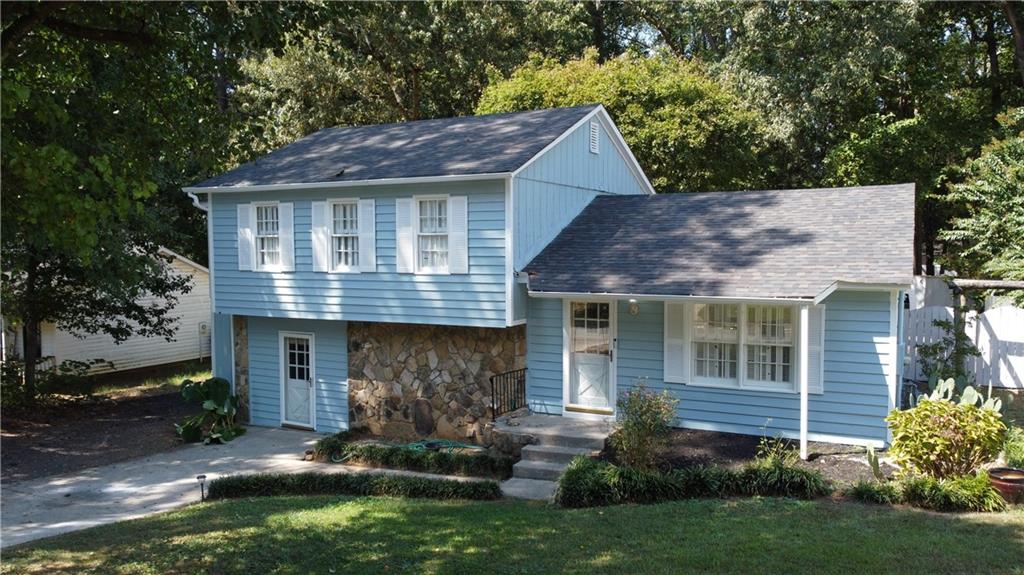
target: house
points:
(191, 341)
(380, 275)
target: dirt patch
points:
(70, 436)
(690, 448)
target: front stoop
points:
(555, 441)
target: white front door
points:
(591, 358)
(297, 385)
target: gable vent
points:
(595, 137)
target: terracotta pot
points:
(1009, 482)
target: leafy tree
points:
(378, 62)
(687, 130)
(986, 239)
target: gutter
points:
(344, 184)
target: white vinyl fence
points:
(998, 333)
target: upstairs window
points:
(432, 235)
(268, 236)
(345, 235)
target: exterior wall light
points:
(634, 307)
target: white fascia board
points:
(653, 297)
(347, 183)
(857, 286)
(176, 255)
(617, 140)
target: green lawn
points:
(151, 380)
(383, 535)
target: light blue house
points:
(382, 275)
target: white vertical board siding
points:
(473, 299)
(857, 361)
(192, 309)
(331, 371)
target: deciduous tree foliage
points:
(686, 130)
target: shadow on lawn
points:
(380, 535)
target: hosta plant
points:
(216, 423)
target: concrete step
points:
(535, 489)
(538, 470)
(554, 453)
(565, 438)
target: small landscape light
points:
(202, 487)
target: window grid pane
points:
(268, 244)
(345, 235)
(433, 234)
(770, 340)
(716, 341)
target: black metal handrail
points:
(508, 391)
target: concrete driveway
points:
(61, 503)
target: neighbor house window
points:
(268, 236)
(716, 340)
(742, 345)
(345, 235)
(432, 235)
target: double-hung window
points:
(746, 346)
(268, 236)
(432, 235)
(345, 236)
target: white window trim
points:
(256, 264)
(420, 270)
(742, 383)
(338, 269)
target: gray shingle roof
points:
(780, 243)
(444, 147)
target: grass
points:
(386, 535)
(163, 378)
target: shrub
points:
(482, 464)
(216, 423)
(1013, 449)
(940, 438)
(312, 483)
(589, 483)
(644, 421)
(965, 493)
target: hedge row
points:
(314, 483)
(589, 483)
(967, 493)
(400, 457)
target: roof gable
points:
(776, 243)
(489, 144)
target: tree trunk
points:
(222, 79)
(993, 65)
(32, 352)
(1013, 16)
(598, 37)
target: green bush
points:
(1013, 449)
(965, 493)
(644, 421)
(940, 438)
(216, 423)
(401, 457)
(313, 483)
(589, 483)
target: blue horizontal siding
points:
(857, 362)
(331, 371)
(474, 299)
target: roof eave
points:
(662, 297)
(848, 285)
(191, 191)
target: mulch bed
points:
(690, 448)
(69, 436)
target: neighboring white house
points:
(191, 341)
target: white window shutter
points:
(246, 241)
(675, 343)
(405, 239)
(816, 349)
(367, 236)
(458, 235)
(321, 236)
(286, 229)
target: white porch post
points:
(805, 316)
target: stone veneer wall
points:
(240, 326)
(410, 381)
